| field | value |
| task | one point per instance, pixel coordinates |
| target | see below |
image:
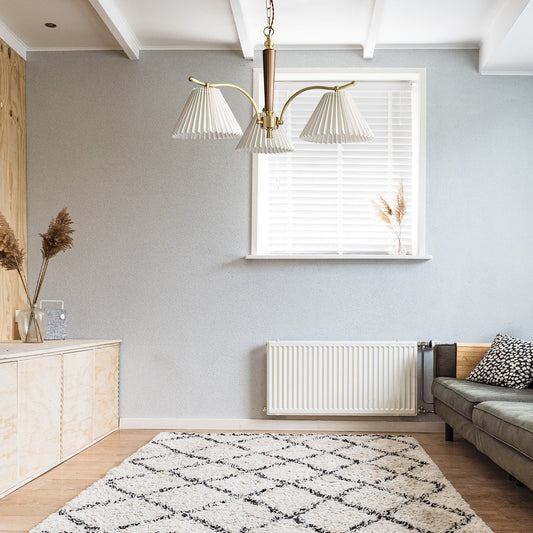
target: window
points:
(318, 201)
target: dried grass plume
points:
(11, 254)
(393, 215)
(58, 237)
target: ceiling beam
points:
(501, 26)
(118, 26)
(13, 40)
(373, 29)
(247, 46)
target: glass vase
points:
(398, 248)
(32, 323)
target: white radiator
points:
(342, 378)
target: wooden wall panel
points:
(469, 354)
(12, 177)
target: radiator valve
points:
(425, 345)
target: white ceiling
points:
(501, 29)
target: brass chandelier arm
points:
(205, 84)
(297, 93)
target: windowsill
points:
(372, 257)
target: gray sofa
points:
(498, 421)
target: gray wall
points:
(162, 226)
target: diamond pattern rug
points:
(271, 483)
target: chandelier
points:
(206, 115)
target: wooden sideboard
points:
(56, 399)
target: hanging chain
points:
(269, 28)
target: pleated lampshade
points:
(255, 140)
(206, 115)
(336, 119)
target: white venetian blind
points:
(318, 199)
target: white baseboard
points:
(260, 424)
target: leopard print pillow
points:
(508, 363)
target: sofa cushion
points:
(508, 363)
(509, 422)
(462, 395)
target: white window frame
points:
(305, 77)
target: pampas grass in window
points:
(393, 215)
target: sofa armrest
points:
(445, 360)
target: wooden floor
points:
(504, 506)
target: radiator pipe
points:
(424, 346)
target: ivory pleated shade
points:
(336, 119)
(206, 115)
(255, 140)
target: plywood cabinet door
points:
(78, 397)
(39, 413)
(105, 417)
(8, 425)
